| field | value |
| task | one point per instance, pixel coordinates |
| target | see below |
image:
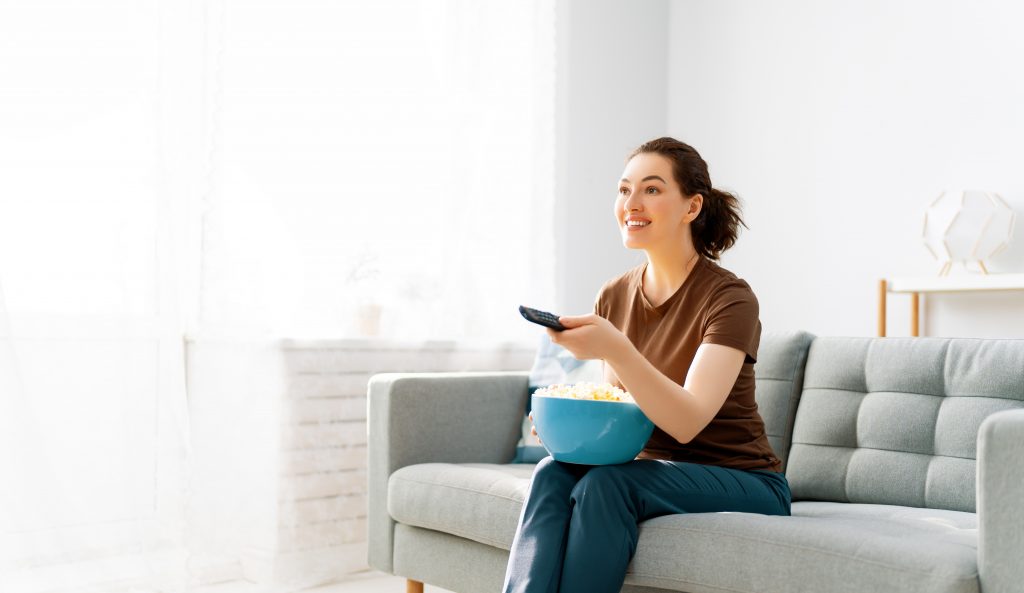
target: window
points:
(381, 168)
(312, 169)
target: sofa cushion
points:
(895, 420)
(778, 378)
(478, 501)
(823, 547)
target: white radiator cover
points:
(278, 435)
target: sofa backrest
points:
(778, 378)
(895, 420)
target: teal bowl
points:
(590, 432)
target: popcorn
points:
(587, 390)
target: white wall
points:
(838, 123)
(612, 94)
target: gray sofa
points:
(905, 457)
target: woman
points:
(680, 333)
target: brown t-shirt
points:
(712, 306)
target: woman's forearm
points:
(665, 402)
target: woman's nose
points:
(632, 204)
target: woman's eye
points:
(652, 187)
(622, 189)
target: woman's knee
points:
(544, 464)
(602, 481)
(550, 474)
(547, 467)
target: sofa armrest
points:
(1000, 494)
(465, 417)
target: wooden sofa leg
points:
(412, 586)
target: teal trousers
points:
(578, 529)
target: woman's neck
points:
(665, 273)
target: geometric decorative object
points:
(967, 226)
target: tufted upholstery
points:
(895, 420)
(892, 425)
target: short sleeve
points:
(733, 319)
(599, 309)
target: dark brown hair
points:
(716, 227)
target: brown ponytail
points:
(717, 226)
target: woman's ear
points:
(696, 203)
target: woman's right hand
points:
(533, 429)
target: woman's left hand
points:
(589, 336)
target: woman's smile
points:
(635, 223)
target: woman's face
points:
(648, 193)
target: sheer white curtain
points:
(380, 168)
(92, 405)
(296, 169)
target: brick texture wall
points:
(305, 444)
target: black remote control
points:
(542, 318)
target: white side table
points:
(917, 285)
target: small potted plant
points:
(364, 279)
